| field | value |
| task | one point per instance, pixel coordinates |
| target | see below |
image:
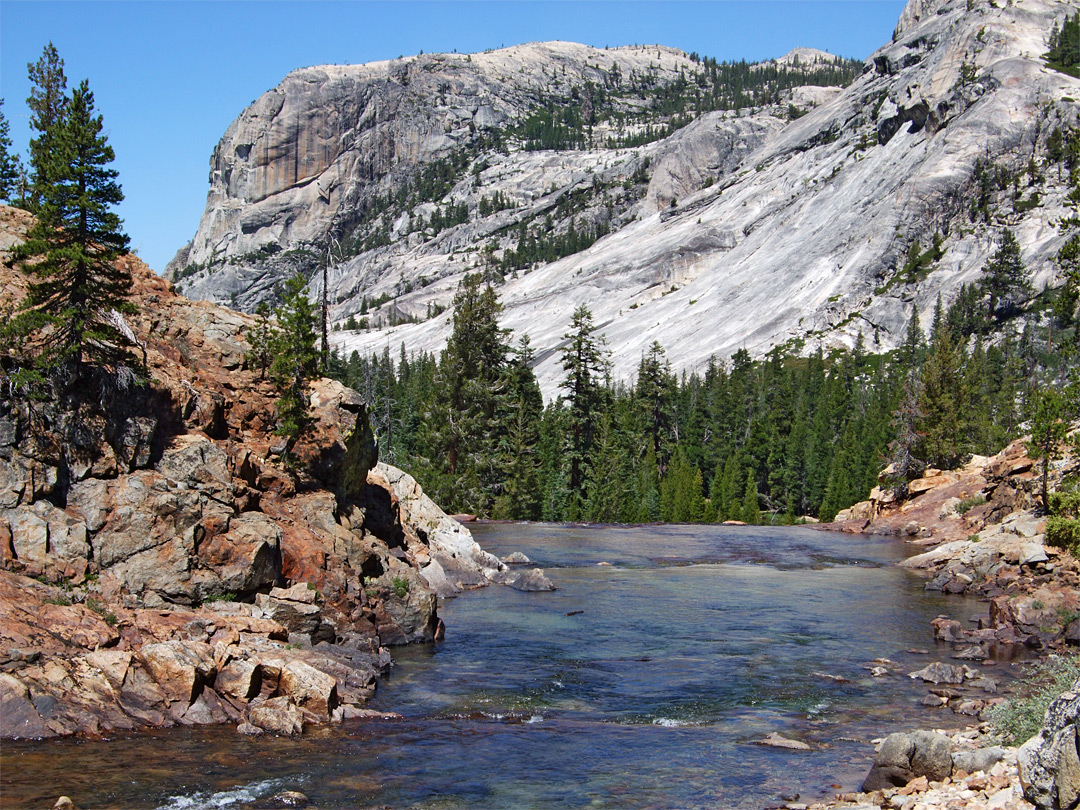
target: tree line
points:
(1064, 42)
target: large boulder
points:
(456, 561)
(905, 756)
(312, 690)
(278, 715)
(18, 717)
(182, 668)
(1049, 761)
(407, 612)
(296, 616)
(244, 559)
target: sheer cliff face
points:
(739, 230)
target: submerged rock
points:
(938, 672)
(777, 740)
(531, 580)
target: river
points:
(645, 681)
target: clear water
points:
(683, 652)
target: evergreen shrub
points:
(1020, 719)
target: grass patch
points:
(968, 504)
(228, 596)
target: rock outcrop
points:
(1049, 761)
(747, 230)
(985, 535)
(162, 564)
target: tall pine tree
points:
(10, 165)
(295, 360)
(519, 434)
(462, 432)
(942, 438)
(584, 361)
(75, 242)
(1005, 281)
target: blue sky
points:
(169, 77)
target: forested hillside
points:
(773, 440)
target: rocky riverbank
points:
(984, 535)
(162, 563)
(967, 769)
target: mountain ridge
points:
(787, 222)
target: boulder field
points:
(162, 563)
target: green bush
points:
(228, 596)
(1064, 533)
(1063, 525)
(1020, 719)
(401, 587)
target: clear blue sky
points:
(169, 77)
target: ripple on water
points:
(235, 797)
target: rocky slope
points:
(741, 229)
(161, 565)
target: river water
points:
(645, 681)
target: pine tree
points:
(519, 430)
(727, 492)
(1005, 281)
(260, 338)
(1067, 261)
(681, 499)
(910, 353)
(648, 489)
(1048, 430)
(461, 432)
(1064, 42)
(74, 245)
(903, 465)
(606, 477)
(10, 165)
(295, 360)
(48, 102)
(584, 361)
(940, 404)
(751, 511)
(654, 392)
